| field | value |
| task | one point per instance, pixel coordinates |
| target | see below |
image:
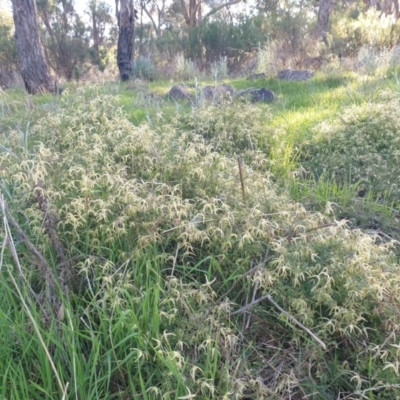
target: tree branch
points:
(291, 318)
(216, 9)
(185, 12)
(157, 30)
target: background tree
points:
(126, 27)
(232, 41)
(9, 64)
(99, 13)
(155, 10)
(192, 10)
(292, 27)
(388, 7)
(34, 68)
(360, 28)
(324, 9)
(66, 36)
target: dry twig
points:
(293, 319)
(241, 179)
(249, 272)
(50, 223)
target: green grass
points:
(166, 236)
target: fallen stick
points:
(293, 319)
(250, 271)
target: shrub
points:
(225, 131)
(219, 70)
(143, 68)
(185, 69)
(355, 29)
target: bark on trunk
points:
(96, 37)
(126, 24)
(323, 19)
(396, 8)
(34, 68)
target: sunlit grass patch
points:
(356, 153)
(362, 143)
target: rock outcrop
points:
(253, 77)
(295, 74)
(179, 92)
(258, 95)
(215, 93)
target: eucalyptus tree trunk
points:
(192, 10)
(324, 11)
(95, 35)
(396, 8)
(126, 25)
(34, 68)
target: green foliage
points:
(266, 62)
(355, 28)
(219, 70)
(8, 48)
(247, 136)
(211, 43)
(362, 148)
(233, 41)
(143, 68)
(292, 26)
(168, 45)
(185, 69)
(66, 39)
(8, 54)
(100, 16)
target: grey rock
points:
(223, 90)
(208, 92)
(179, 92)
(258, 95)
(295, 74)
(215, 93)
(253, 77)
(263, 95)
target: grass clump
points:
(177, 236)
(358, 154)
(229, 135)
(362, 146)
(143, 68)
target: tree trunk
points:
(396, 8)
(323, 19)
(126, 25)
(34, 69)
(95, 37)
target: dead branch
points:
(50, 223)
(45, 271)
(241, 179)
(216, 9)
(249, 272)
(291, 318)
